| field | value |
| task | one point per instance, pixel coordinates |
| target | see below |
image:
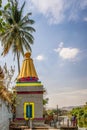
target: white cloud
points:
(52, 9)
(59, 47)
(40, 58)
(56, 11)
(85, 19)
(66, 53)
(61, 44)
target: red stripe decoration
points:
(40, 119)
(30, 92)
(24, 79)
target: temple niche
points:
(30, 90)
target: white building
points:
(5, 115)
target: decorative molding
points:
(31, 84)
(29, 92)
(39, 119)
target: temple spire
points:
(28, 69)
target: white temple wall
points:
(5, 115)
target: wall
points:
(36, 98)
(38, 105)
(5, 115)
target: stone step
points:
(68, 128)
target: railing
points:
(64, 122)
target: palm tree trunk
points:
(18, 62)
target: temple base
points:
(35, 122)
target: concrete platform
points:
(68, 128)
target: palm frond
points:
(27, 22)
(29, 39)
(29, 28)
(26, 17)
(26, 44)
(19, 44)
(18, 32)
(21, 10)
(26, 33)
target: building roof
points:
(28, 69)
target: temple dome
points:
(28, 69)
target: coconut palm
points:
(17, 35)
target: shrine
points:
(30, 90)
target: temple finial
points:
(27, 55)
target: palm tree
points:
(17, 35)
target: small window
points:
(28, 110)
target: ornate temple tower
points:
(31, 92)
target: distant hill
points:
(69, 108)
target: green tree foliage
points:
(2, 20)
(81, 113)
(45, 101)
(17, 32)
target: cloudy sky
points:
(60, 49)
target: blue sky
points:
(60, 49)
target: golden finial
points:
(27, 55)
